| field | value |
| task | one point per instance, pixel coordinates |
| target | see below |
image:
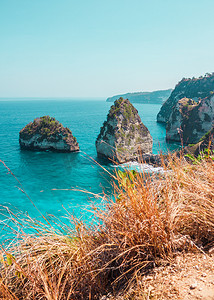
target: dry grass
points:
(149, 220)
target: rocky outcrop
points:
(46, 133)
(123, 137)
(195, 88)
(190, 121)
(206, 142)
(156, 97)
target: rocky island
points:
(123, 137)
(47, 133)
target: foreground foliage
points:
(150, 219)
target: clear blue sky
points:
(97, 48)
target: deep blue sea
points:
(44, 175)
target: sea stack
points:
(47, 133)
(123, 137)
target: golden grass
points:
(150, 219)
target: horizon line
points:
(52, 98)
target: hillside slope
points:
(156, 97)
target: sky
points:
(96, 48)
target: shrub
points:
(150, 218)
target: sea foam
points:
(140, 167)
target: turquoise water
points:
(44, 174)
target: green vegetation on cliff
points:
(46, 133)
(46, 126)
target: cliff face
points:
(206, 142)
(123, 137)
(190, 121)
(46, 133)
(195, 88)
(156, 97)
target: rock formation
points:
(156, 97)
(123, 137)
(195, 88)
(46, 133)
(190, 121)
(206, 142)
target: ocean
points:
(49, 178)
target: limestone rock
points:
(206, 142)
(193, 88)
(190, 121)
(123, 137)
(46, 133)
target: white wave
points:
(138, 167)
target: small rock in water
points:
(46, 134)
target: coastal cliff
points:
(206, 143)
(47, 133)
(190, 121)
(192, 88)
(156, 97)
(123, 137)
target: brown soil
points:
(187, 277)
